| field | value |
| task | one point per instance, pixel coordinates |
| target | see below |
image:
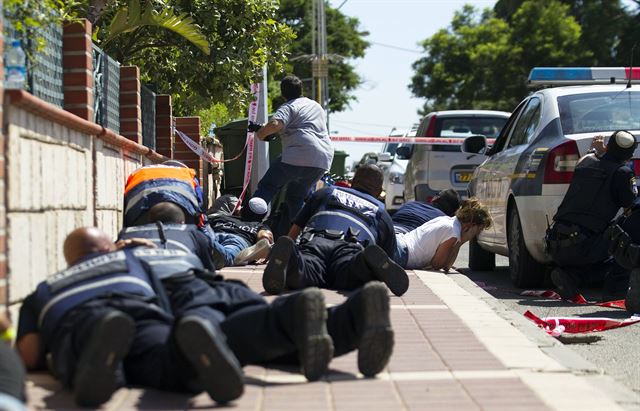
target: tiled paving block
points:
(435, 396)
(365, 395)
(503, 394)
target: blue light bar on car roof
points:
(583, 75)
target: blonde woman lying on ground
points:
(436, 243)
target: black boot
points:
(565, 284)
(95, 377)
(376, 343)
(632, 302)
(279, 267)
(315, 347)
(206, 350)
(386, 270)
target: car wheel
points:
(524, 270)
(479, 258)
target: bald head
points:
(84, 241)
(165, 212)
(368, 178)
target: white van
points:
(436, 167)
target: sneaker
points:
(315, 346)
(565, 285)
(632, 300)
(274, 278)
(215, 364)
(95, 378)
(386, 270)
(257, 251)
(376, 343)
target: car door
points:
(486, 186)
(507, 160)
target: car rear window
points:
(461, 127)
(600, 112)
(466, 126)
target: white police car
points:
(394, 169)
(528, 170)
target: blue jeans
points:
(229, 245)
(402, 253)
(300, 179)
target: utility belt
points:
(350, 236)
(562, 235)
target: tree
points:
(481, 61)
(242, 36)
(344, 41)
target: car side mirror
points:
(474, 145)
(404, 152)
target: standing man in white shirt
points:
(307, 152)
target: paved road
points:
(616, 352)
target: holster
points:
(561, 235)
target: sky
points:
(384, 100)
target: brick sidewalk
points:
(451, 352)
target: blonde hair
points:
(472, 211)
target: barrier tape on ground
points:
(405, 140)
(556, 326)
(248, 164)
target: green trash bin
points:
(338, 164)
(233, 136)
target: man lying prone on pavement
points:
(136, 316)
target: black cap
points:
(448, 201)
(621, 145)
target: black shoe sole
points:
(376, 344)
(215, 364)
(563, 283)
(386, 270)
(315, 346)
(95, 377)
(632, 300)
(275, 273)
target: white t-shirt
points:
(423, 242)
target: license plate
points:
(462, 176)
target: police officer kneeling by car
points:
(347, 238)
(577, 242)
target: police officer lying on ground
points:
(413, 214)
(239, 240)
(347, 238)
(108, 308)
(12, 372)
(436, 243)
(171, 181)
(167, 229)
(576, 240)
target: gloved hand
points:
(253, 127)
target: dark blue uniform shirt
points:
(413, 214)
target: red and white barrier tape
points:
(197, 148)
(404, 140)
(248, 164)
(556, 326)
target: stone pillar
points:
(191, 127)
(130, 104)
(77, 61)
(164, 132)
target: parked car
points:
(435, 167)
(394, 170)
(528, 169)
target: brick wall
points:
(191, 127)
(3, 215)
(78, 69)
(61, 173)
